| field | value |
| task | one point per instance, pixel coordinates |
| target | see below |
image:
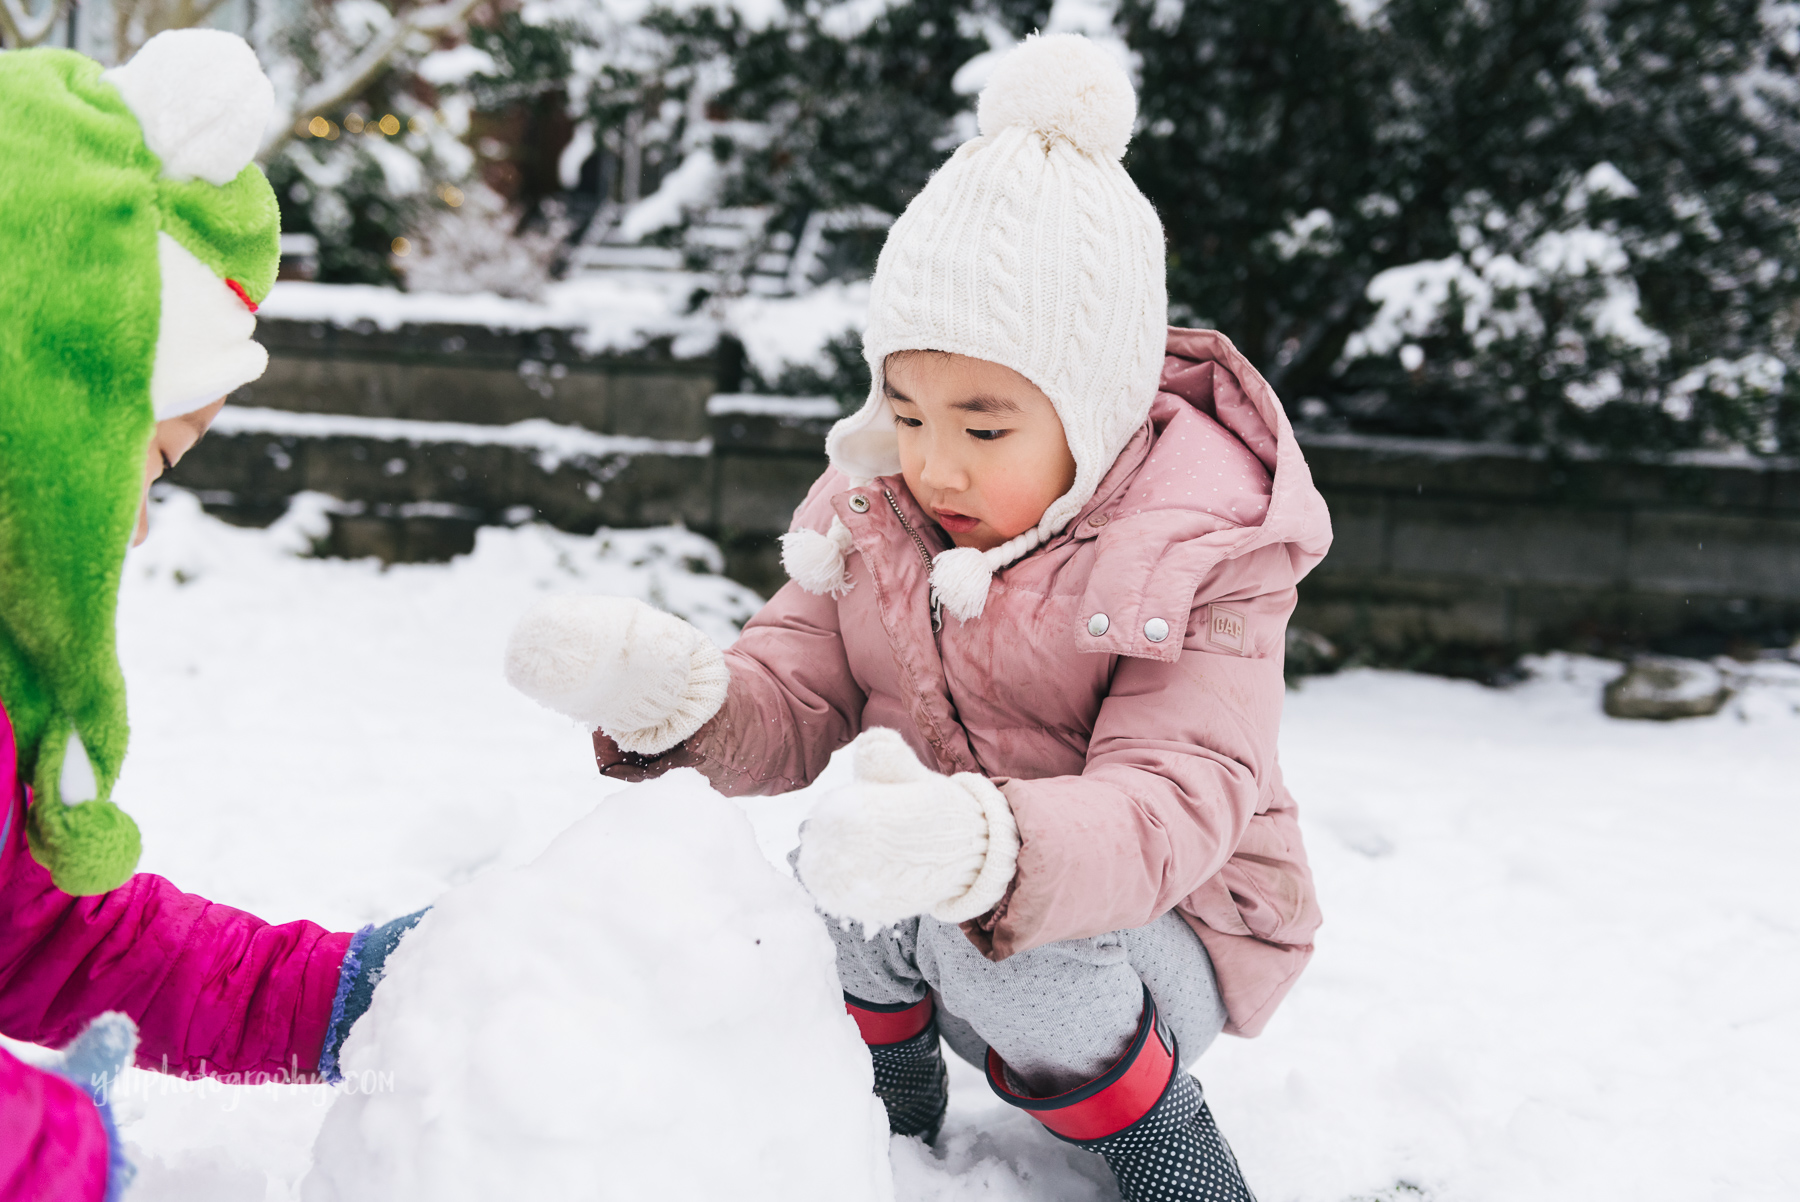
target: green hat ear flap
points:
(90, 847)
(67, 508)
(66, 515)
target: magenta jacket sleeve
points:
(212, 989)
(52, 1142)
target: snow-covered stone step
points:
(416, 490)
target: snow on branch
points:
(349, 80)
(22, 29)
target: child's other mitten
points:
(95, 1060)
(646, 678)
(902, 840)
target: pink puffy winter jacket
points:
(1142, 770)
(213, 991)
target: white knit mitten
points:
(903, 840)
(646, 678)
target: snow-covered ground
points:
(1561, 959)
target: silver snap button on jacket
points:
(1097, 625)
(1156, 630)
(859, 503)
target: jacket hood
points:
(1214, 475)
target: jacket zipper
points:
(937, 603)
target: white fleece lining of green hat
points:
(203, 340)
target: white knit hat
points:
(1030, 248)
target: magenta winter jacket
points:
(1142, 771)
(213, 991)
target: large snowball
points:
(648, 1010)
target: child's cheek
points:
(1016, 496)
(910, 470)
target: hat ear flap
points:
(204, 347)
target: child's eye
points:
(987, 435)
(912, 423)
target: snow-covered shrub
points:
(479, 245)
(784, 115)
(1551, 222)
(362, 173)
(339, 194)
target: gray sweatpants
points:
(1060, 1014)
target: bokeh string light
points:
(355, 123)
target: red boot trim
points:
(1115, 1099)
(893, 1023)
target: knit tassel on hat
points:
(817, 562)
(961, 575)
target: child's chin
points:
(980, 538)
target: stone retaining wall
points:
(1439, 546)
(1488, 546)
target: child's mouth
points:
(955, 523)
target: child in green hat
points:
(136, 239)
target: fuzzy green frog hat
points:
(136, 238)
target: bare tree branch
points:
(137, 21)
(355, 75)
(22, 29)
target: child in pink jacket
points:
(136, 237)
(1043, 591)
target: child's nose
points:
(943, 472)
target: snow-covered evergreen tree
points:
(372, 148)
(1562, 222)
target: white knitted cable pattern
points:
(1005, 292)
(1030, 248)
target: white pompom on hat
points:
(202, 99)
(204, 104)
(1031, 248)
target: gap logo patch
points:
(1226, 629)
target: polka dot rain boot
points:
(1146, 1117)
(909, 1064)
